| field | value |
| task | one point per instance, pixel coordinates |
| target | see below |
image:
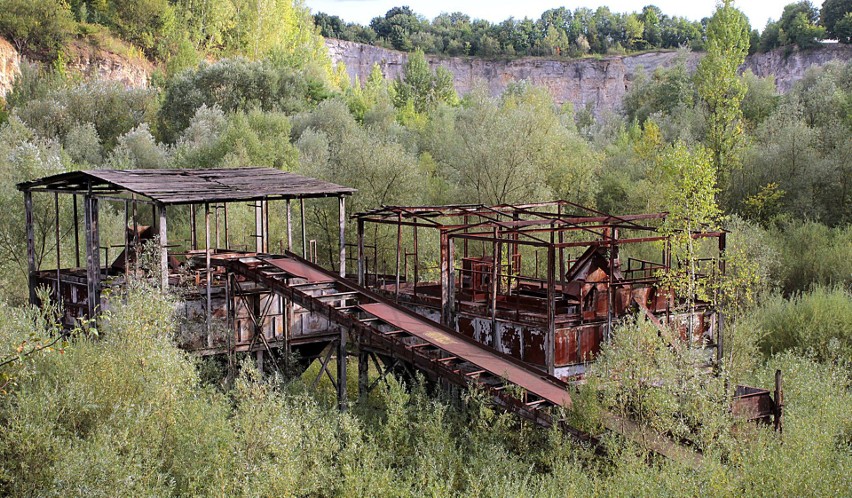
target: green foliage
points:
(37, 28)
(798, 25)
(667, 90)
(811, 254)
(760, 99)
(687, 182)
(818, 322)
(833, 16)
(54, 111)
(235, 85)
(720, 88)
(148, 24)
(652, 377)
(421, 87)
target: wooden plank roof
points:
(190, 186)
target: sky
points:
(362, 11)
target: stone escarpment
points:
(599, 83)
(10, 66)
(81, 58)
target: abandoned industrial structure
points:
(495, 296)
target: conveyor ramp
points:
(378, 325)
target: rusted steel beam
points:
(31, 257)
(76, 234)
(93, 266)
(341, 211)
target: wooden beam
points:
(164, 247)
(31, 260)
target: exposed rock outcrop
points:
(100, 64)
(92, 62)
(10, 66)
(598, 82)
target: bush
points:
(38, 28)
(819, 321)
(113, 110)
(234, 85)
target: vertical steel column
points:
(561, 249)
(225, 222)
(341, 370)
(58, 248)
(93, 270)
(304, 231)
(495, 276)
(398, 255)
(265, 213)
(779, 402)
(193, 235)
(207, 272)
(341, 212)
(164, 246)
(31, 259)
(448, 281)
(258, 226)
(361, 266)
(550, 343)
(416, 259)
(289, 226)
(76, 235)
(216, 223)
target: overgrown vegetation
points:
(127, 410)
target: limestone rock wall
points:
(84, 59)
(10, 66)
(598, 82)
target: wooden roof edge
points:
(106, 177)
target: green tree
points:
(798, 25)
(688, 186)
(37, 28)
(720, 88)
(832, 13)
(422, 88)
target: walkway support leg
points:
(341, 370)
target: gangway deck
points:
(374, 324)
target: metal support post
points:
(361, 266)
(208, 274)
(76, 235)
(304, 230)
(289, 226)
(164, 246)
(550, 349)
(779, 402)
(93, 270)
(341, 211)
(31, 261)
(341, 370)
(58, 248)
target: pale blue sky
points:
(362, 11)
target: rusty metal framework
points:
(543, 282)
(272, 305)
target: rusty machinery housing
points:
(541, 282)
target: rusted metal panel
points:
(751, 403)
(566, 347)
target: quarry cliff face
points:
(10, 66)
(599, 83)
(83, 59)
